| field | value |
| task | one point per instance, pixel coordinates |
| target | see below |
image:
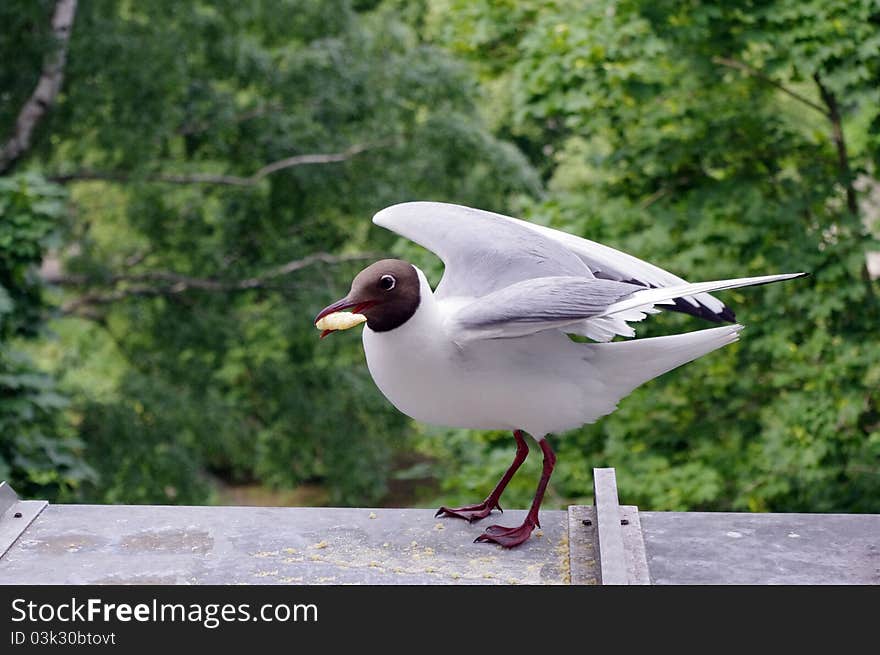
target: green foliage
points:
(39, 454)
(229, 383)
(142, 456)
(31, 210)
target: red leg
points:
(482, 510)
(510, 537)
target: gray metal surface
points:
(15, 516)
(634, 546)
(77, 544)
(584, 547)
(80, 544)
(612, 557)
(8, 497)
(722, 548)
(582, 541)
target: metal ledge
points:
(602, 544)
(15, 516)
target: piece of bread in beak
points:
(340, 321)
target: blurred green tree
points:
(216, 153)
(39, 451)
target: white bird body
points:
(483, 385)
(542, 383)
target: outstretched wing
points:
(483, 252)
(610, 264)
(574, 304)
(538, 304)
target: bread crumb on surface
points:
(265, 553)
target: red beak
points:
(340, 305)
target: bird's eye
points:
(387, 282)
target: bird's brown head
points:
(387, 293)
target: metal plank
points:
(637, 572)
(8, 497)
(15, 516)
(119, 544)
(612, 556)
(746, 549)
(582, 545)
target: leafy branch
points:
(170, 283)
(197, 127)
(831, 111)
(754, 72)
(215, 178)
(837, 137)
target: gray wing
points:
(484, 252)
(481, 251)
(534, 305)
(595, 308)
(610, 264)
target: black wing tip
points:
(726, 315)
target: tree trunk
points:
(47, 87)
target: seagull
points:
(489, 348)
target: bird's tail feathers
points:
(625, 365)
